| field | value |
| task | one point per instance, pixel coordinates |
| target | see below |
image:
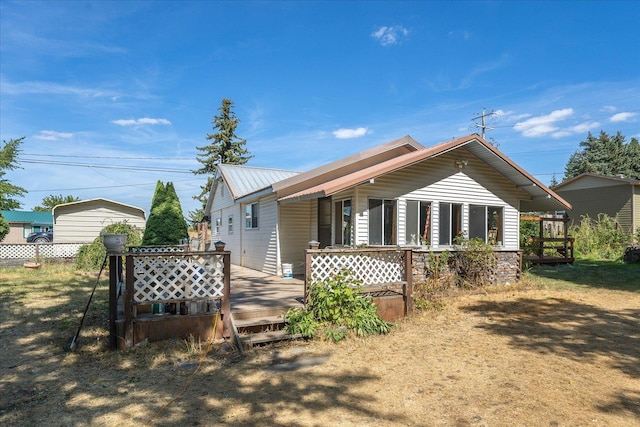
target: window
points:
(251, 216)
(418, 223)
(450, 223)
(218, 225)
(230, 225)
(382, 222)
(486, 223)
(342, 222)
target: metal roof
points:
(540, 198)
(28, 217)
(246, 180)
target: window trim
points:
(230, 224)
(452, 230)
(428, 217)
(339, 208)
(251, 212)
(393, 226)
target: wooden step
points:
(267, 337)
(264, 321)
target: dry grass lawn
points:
(527, 357)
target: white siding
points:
(296, 223)
(259, 245)
(82, 222)
(440, 180)
(222, 197)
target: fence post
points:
(408, 291)
(115, 264)
(129, 313)
(226, 299)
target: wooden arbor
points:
(553, 244)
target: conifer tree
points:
(166, 224)
(224, 147)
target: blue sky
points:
(113, 96)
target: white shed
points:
(82, 221)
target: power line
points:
(483, 124)
(91, 165)
(107, 157)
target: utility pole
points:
(483, 124)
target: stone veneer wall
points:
(507, 271)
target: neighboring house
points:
(592, 194)
(82, 221)
(23, 223)
(398, 194)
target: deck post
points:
(226, 299)
(307, 274)
(115, 265)
(129, 309)
(408, 287)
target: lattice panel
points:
(17, 251)
(59, 250)
(164, 277)
(45, 250)
(372, 268)
(158, 249)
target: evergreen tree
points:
(605, 155)
(224, 147)
(166, 224)
(8, 192)
(554, 181)
(4, 227)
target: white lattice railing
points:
(371, 266)
(176, 276)
(39, 250)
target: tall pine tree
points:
(605, 155)
(224, 147)
(166, 224)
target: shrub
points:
(599, 239)
(474, 262)
(337, 308)
(91, 256)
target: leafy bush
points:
(474, 262)
(602, 238)
(336, 307)
(91, 256)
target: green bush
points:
(337, 308)
(602, 238)
(91, 256)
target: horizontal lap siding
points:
(296, 221)
(83, 223)
(611, 200)
(439, 180)
(259, 246)
(232, 240)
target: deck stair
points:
(261, 326)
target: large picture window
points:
(382, 222)
(342, 222)
(418, 223)
(486, 223)
(450, 223)
(251, 216)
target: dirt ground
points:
(520, 357)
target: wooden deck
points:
(252, 290)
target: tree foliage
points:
(4, 227)
(166, 224)
(605, 155)
(8, 161)
(90, 257)
(224, 147)
(51, 201)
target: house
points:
(83, 220)
(23, 223)
(592, 194)
(397, 194)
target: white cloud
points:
(511, 116)
(623, 117)
(51, 135)
(350, 133)
(609, 108)
(584, 127)
(141, 121)
(543, 125)
(390, 35)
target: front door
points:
(324, 222)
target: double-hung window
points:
(251, 216)
(217, 226)
(486, 223)
(382, 222)
(450, 218)
(418, 223)
(342, 222)
(230, 225)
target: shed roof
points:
(246, 180)
(98, 199)
(28, 217)
(618, 179)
